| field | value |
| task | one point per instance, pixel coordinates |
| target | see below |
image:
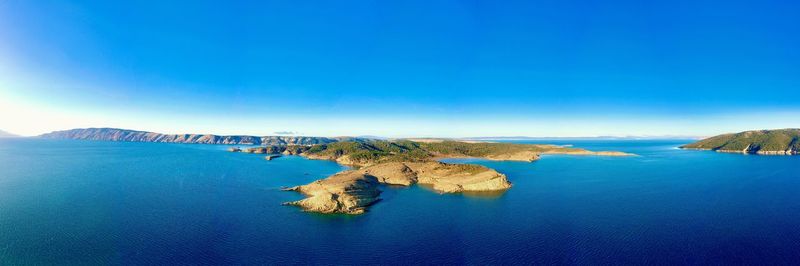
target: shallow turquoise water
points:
(86, 202)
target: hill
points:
(778, 141)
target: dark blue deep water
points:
(83, 202)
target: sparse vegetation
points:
(760, 141)
(482, 149)
(371, 151)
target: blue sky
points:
(401, 68)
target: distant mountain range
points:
(583, 138)
(116, 134)
(777, 141)
(4, 134)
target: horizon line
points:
(517, 137)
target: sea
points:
(70, 202)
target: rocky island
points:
(765, 142)
(352, 191)
(405, 163)
(376, 162)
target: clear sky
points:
(401, 68)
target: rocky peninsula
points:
(764, 142)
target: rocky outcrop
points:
(455, 178)
(115, 134)
(392, 173)
(351, 192)
(348, 192)
(525, 156)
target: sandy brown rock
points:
(392, 174)
(352, 191)
(454, 178)
(525, 156)
(345, 160)
(347, 192)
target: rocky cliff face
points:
(114, 134)
(351, 192)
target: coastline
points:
(759, 152)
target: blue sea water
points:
(85, 202)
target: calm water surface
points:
(84, 202)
